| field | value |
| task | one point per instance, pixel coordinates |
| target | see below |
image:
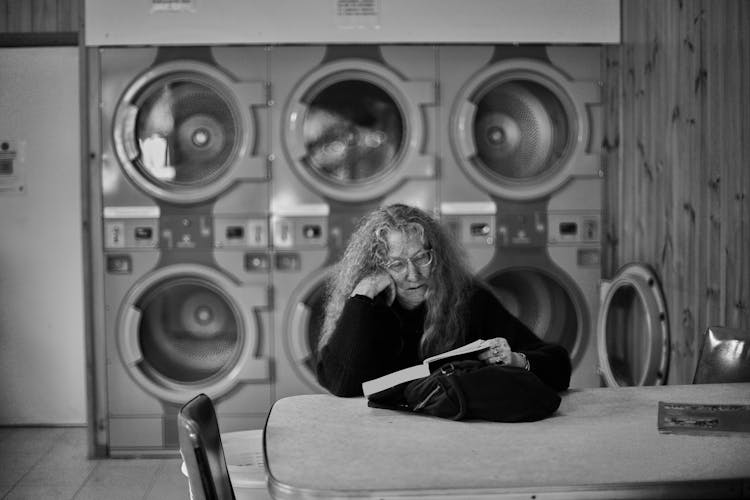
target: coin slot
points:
(568, 228)
(235, 232)
(119, 264)
(144, 233)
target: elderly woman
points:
(403, 292)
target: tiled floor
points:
(52, 463)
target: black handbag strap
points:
(448, 378)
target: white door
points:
(42, 362)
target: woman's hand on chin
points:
(375, 284)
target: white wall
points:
(115, 22)
(42, 362)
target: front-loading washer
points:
(185, 238)
(183, 126)
(353, 128)
(186, 310)
(517, 122)
(353, 124)
(520, 184)
(545, 268)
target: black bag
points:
(471, 389)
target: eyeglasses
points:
(399, 266)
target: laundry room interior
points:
(179, 179)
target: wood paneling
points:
(677, 142)
(40, 16)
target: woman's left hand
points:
(499, 353)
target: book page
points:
(477, 345)
(394, 378)
(376, 385)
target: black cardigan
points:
(372, 339)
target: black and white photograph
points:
(384, 249)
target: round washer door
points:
(302, 329)
(354, 130)
(183, 131)
(549, 305)
(187, 328)
(633, 329)
(517, 127)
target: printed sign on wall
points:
(172, 5)
(357, 14)
(11, 166)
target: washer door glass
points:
(189, 333)
(353, 132)
(542, 304)
(315, 304)
(521, 130)
(186, 132)
(305, 322)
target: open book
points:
(380, 384)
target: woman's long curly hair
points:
(367, 253)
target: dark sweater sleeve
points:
(550, 362)
(362, 347)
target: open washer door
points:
(633, 329)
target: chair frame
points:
(202, 450)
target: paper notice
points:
(357, 13)
(172, 6)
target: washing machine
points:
(183, 126)
(353, 128)
(520, 129)
(185, 230)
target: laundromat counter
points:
(602, 442)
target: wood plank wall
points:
(677, 143)
(40, 16)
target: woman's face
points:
(409, 266)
